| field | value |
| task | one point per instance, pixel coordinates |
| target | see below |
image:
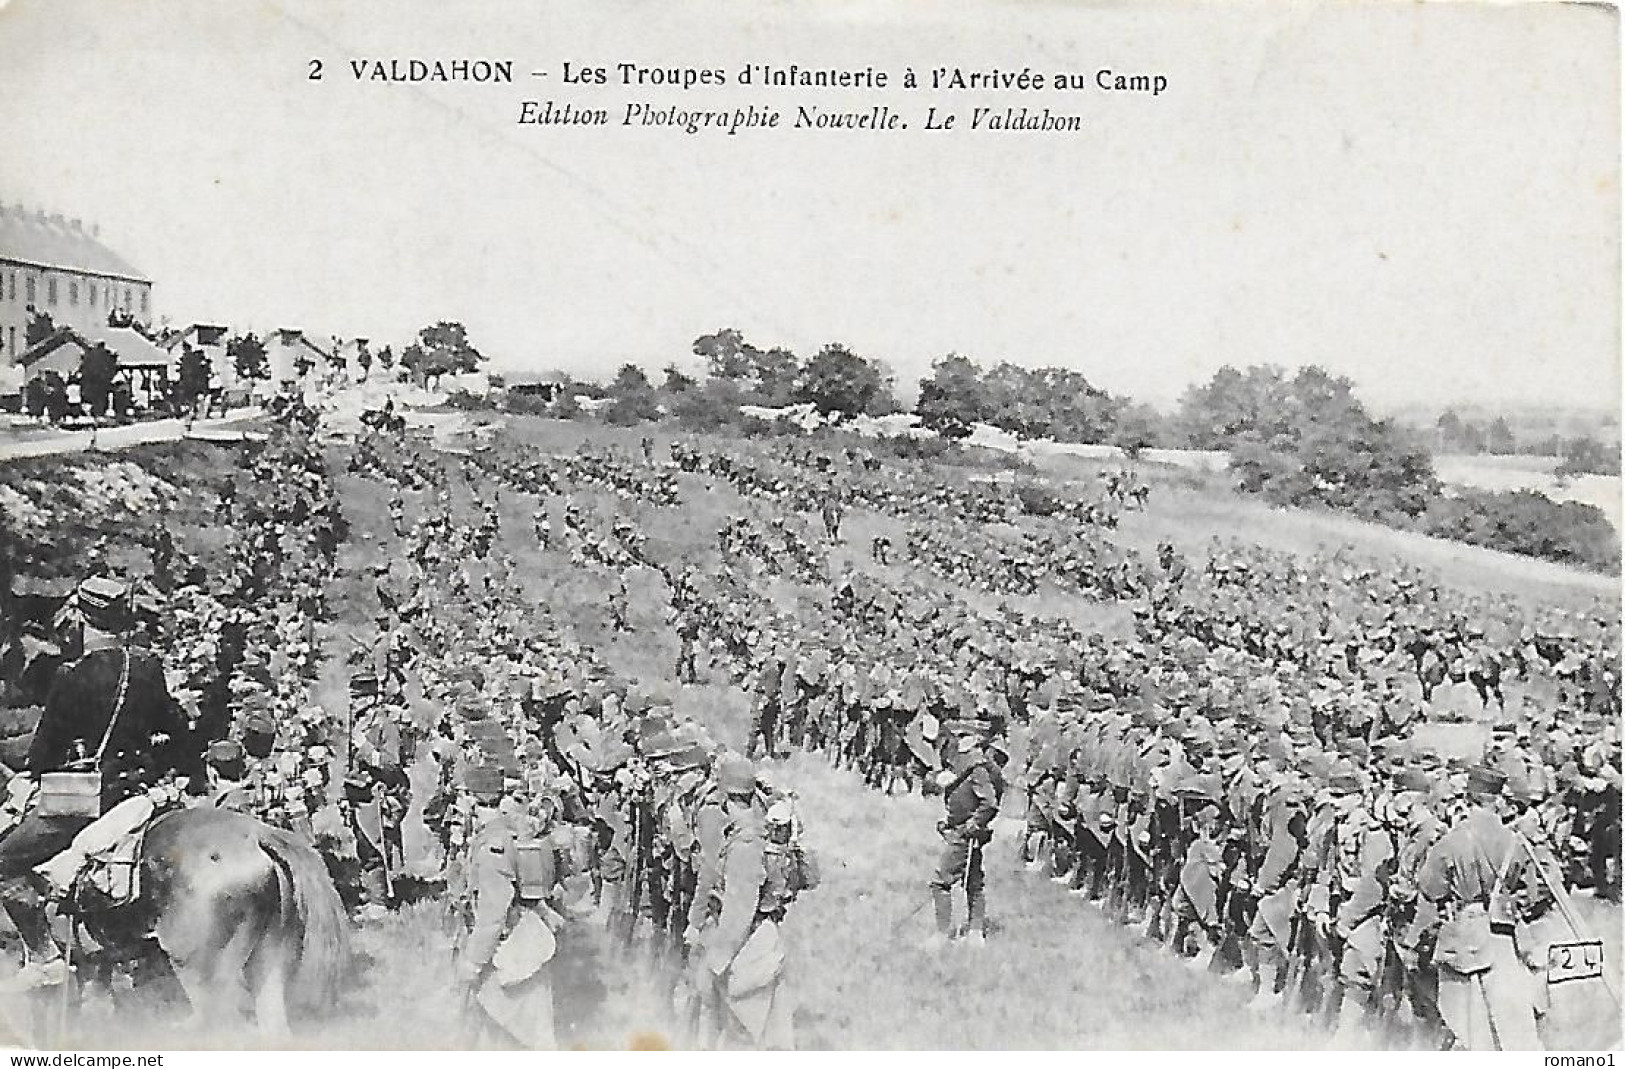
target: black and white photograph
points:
(711, 525)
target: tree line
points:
(1298, 437)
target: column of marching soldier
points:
(641, 820)
(1232, 777)
(1244, 787)
(1244, 744)
(1310, 772)
(559, 789)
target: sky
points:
(1423, 197)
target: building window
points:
(73, 293)
(12, 347)
(13, 286)
(92, 288)
(28, 285)
(143, 304)
(50, 289)
(126, 298)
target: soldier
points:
(742, 951)
(376, 798)
(1485, 992)
(232, 785)
(618, 604)
(688, 641)
(1284, 835)
(108, 712)
(768, 688)
(512, 880)
(831, 515)
(972, 787)
(1413, 920)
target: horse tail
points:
(310, 909)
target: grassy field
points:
(1056, 973)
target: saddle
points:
(103, 862)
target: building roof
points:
(205, 333)
(291, 336)
(66, 244)
(132, 348)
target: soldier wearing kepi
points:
(109, 712)
(972, 786)
(1486, 995)
(512, 877)
(742, 950)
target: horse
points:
(245, 914)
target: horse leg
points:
(213, 978)
(272, 964)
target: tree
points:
(47, 395)
(633, 397)
(1307, 440)
(1254, 405)
(726, 353)
(386, 357)
(1501, 438)
(248, 357)
(1011, 402)
(193, 381)
(1587, 456)
(97, 369)
(630, 379)
(774, 372)
(1138, 427)
(1075, 409)
(840, 382)
(953, 398)
(1449, 425)
(40, 326)
(441, 349)
(676, 381)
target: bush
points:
(702, 411)
(464, 401)
(1527, 523)
(757, 427)
(905, 448)
(1037, 500)
(631, 410)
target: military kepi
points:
(104, 603)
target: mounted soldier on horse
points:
(241, 910)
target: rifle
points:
(640, 864)
(1561, 898)
(1295, 948)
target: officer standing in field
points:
(972, 787)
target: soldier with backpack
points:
(761, 869)
(512, 882)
